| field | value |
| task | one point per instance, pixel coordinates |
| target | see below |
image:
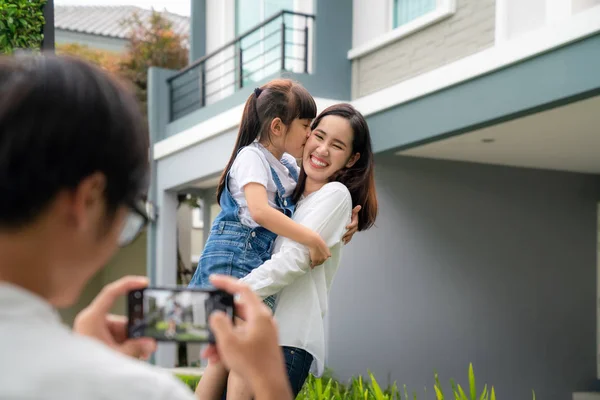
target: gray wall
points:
(468, 31)
(473, 263)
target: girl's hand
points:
(319, 251)
(352, 228)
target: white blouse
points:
(303, 292)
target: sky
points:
(181, 7)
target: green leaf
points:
(454, 390)
(376, 388)
(438, 393)
(484, 394)
(493, 394)
(463, 396)
(472, 382)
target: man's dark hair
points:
(61, 120)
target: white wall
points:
(523, 16)
(517, 17)
(220, 29)
(370, 19)
(581, 5)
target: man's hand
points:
(353, 226)
(251, 350)
(95, 320)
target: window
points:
(261, 50)
(408, 10)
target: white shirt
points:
(252, 165)
(40, 358)
(303, 292)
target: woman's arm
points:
(327, 213)
(268, 217)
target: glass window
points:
(408, 10)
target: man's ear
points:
(88, 199)
(352, 160)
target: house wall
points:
(472, 263)
(468, 31)
(581, 5)
(94, 41)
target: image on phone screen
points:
(172, 315)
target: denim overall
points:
(235, 249)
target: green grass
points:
(326, 388)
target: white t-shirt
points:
(252, 165)
(40, 358)
(302, 301)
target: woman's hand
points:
(352, 228)
(96, 322)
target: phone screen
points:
(169, 315)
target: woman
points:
(337, 172)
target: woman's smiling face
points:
(328, 149)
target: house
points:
(484, 117)
(102, 27)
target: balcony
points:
(279, 44)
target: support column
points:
(166, 262)
(197, 30)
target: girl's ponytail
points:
(250, 128)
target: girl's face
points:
(295, 136)
(329, 149)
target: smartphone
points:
(175, 314)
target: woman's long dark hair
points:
(279, 98)
(359, 178)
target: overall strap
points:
(293, 169)
(280, 188)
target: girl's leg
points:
(237, 388)
(212, 384)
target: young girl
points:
(255, 195)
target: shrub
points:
(21, 25)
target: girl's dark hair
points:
(279, 98)
(359, 178)
(61, 120)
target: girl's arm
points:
(277, 222)
(328, 215)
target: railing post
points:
(283, 44)
(240, 66)
(203, 84)
(170, 92)
(305, 45)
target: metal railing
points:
(280, 43)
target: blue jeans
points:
(297, 362)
